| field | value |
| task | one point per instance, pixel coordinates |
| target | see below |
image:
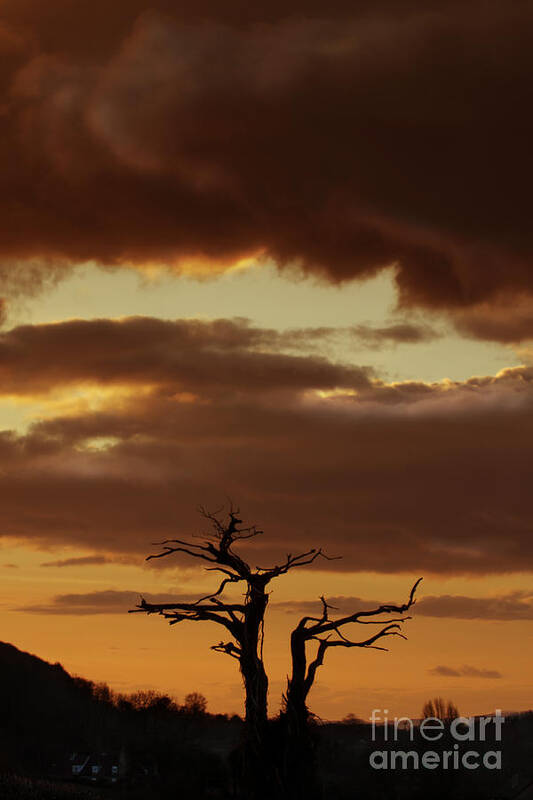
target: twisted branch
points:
(322, 629)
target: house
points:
(78, 763)
(100, 768)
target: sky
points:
(281, 255)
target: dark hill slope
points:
(45, 714)
(43, 710)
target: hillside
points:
(41, 706)
(47, 715)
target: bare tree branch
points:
(230, 579)
(323, 629)
(157, 608)
(228, 648)
(169, 550)
(326, 625)
(300, 560)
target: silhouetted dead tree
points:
(283, 768)
(298, 760)
(244, 621)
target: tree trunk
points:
(258, 770)
(300, 773)
(252, 668)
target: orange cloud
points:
(465, 671)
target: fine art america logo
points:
(456, 739)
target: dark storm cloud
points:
(465, 671)
(109, 601)
(516, 605)
(343, 139)
(215, 357)
(82, 561)
(407, 477)
(512, 606)
(364, 335)
(509, 323)
(397, 333)
(388, 490)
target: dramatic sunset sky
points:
(280, 253)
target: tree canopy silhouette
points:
(195, 703)
(440, 709)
